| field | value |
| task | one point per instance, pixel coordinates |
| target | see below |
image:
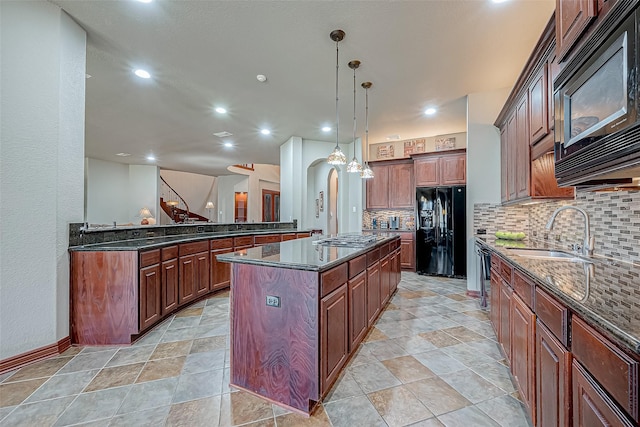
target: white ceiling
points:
(204, 54)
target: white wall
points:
(483, 164)
(227, 186)
(117, 192)
(298, 194)
(41, 168)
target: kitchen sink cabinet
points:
(522, 330)
(553, 380)
(441, 168)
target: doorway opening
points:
(240, 207)
(332, 199)
(270, 206)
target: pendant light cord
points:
(337, 114)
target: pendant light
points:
(366, 173)
(337, 157)
(354, 165)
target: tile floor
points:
(431, 360)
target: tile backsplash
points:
(614, 217)
(407, 218)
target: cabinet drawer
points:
(373, 256)
(615, 371)
(553, 314)
(524, 288)
(169, 252)
(289, 236)
(357, 265)
(222, 244)
(194, 248)
(148, 258)
(384, 250)
(242, 241)
(303, 235)
(506, 271)
(332, 279)
(270, 238)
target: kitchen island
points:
(299, 309)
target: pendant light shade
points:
(354, 166)
(337, 157)
(366, 172)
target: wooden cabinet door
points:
(522, 338)
(453, 169)
(393, 262)
(373, 292)
(401, 187)
(187, 288)
(591, 405)
(408, 254)
(202, 273)
(494, 302)
(358, 319)
(504, 338)
(150, 296)
(523, 150)
(538, 106)
(169, 285)
(220, 271)
(378, 188)
(553, 386)
(385, 285)
(512, 145)
(334, 336)
(504, 163)
(427, 172)
(572, 18)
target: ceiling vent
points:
(223, 134)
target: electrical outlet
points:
(273, 301)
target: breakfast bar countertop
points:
(609, 299)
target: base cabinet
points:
(504, 336)
(591, 405)
(408, 251)
(553, 384)
(522, 328)
(150, 296)
(373, 292)
(334, 336)
(170, 280)
(358, 319)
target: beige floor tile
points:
(187, 312)
(163, 368)
(319, 418)
(171, 349)
(202, 412)
(202, 345)
(438, 396)
(407, 369)
(457, 297)
(43, 368)
(115, 377)
(242, 408)
(478, 314)
(398, 406)
(14, 393)
(463, 334)
(375, 335)
(439, 338)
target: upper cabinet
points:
(526, 133)
(441, 168)
(392, 185)
(572, 18)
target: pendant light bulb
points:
(354, 166)
(337, 157)
(366, 173)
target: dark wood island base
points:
(293, 328)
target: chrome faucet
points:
(589, 241)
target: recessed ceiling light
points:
(143, 74)
(261, 78)
(265, 131)
(430, 111)
(123, 154)
(326, 129)
(145, 1)
(228, 144)
(221, 110)
(499, 1)
(151, 158)
(88, 76)
(223, 134)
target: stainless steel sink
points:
(548, 254)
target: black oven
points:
(597, 127)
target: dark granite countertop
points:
(156, 242)
(606, 295)
(301, 254)
(388, 230)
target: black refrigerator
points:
(441, 236)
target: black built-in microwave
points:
(597, 125)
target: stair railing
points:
(172, 198)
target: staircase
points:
(176, 207)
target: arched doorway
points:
(332, 202)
